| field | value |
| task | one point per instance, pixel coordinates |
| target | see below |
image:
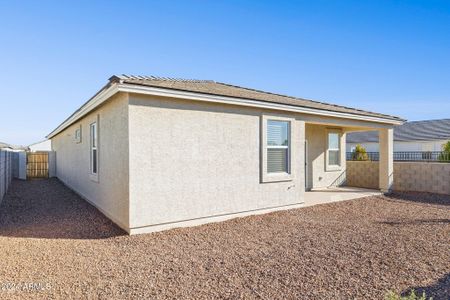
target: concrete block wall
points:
(363, 174)
(408, 176)
(422, 177)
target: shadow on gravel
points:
(48, 209)
(417, 222)
(419, 197)
(438, 290)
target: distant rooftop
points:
(13, 147)
(212, 87)
(428, 130)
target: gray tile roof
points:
(223, 89)
(427, 130)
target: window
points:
(277, 146)
(333, 151)
(94, 148)
(78, 135)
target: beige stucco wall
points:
(192, 160)
(167, 162)
(408, 176)
(110, 193)
(318, 176)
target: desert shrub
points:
(412, 296)
(445, 154)
(360, 153)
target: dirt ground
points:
(55, 245)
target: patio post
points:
(386, 161)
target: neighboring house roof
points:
(428, 130)
(4, 145)
(13, 147)
(209, 90)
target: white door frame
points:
(306, 166)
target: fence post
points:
(23, 165)
(51, 164)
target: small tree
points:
(445, 154)
(360, 153)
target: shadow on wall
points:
(341, 180)
(438, 290)
(47, 209)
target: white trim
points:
(146, 90)
(86, 108)
(94, 176)
(130, 88)
(78, 139)
(282, 176)
(329, 167)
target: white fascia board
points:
(146, 90)
(130, 88)
(86, 108)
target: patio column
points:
(386, 162)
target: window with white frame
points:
(78, 135)
(334, 150)
(278, 144)
(94, 148)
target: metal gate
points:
(37, 165)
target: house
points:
(5, 146)
(13, 148)
(45, 145)
(423, 136)
(155, 153)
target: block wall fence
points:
(408, 176)
(7, 160)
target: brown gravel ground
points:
(355, 249)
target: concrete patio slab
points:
(335, 194)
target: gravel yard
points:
(53, 245)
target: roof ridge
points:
(156, 78)
(304, 99)
(432, 120)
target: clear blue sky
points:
(386, 56)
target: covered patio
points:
(325, 159)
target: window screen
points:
(277, 146)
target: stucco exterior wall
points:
(110, 193)
(193, 161)
(318, 176)
(402, 146)
(408, 176)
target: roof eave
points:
(116, 85)
(167, 92)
